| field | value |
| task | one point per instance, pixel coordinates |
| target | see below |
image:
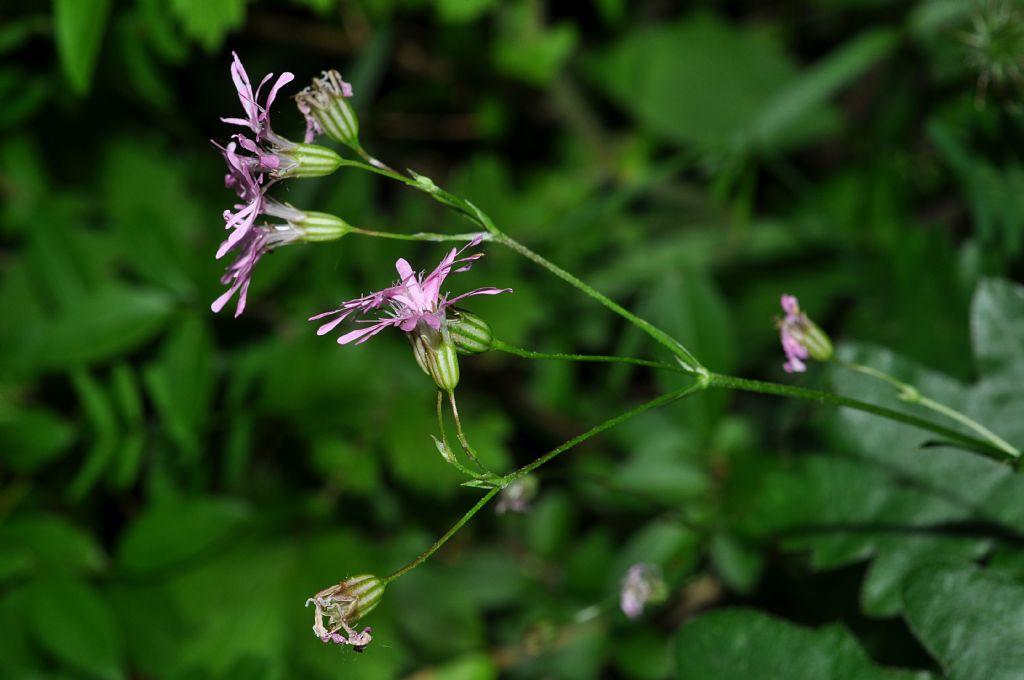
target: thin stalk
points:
(733, 383)
(462, 435)
(444, 440)
(599, 358)
(662, 400)
(687, 361)
(527, 469)
(912, 395)
(425, 555)
(419, 236)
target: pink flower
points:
(414, 302)
(257, 117)
(642, 585)
(256, 242)
(801, 338)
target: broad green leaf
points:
(181, 384)
(748, 645)
(208, 22)
(463, 11)
(813, 88)
(32, 437)
(170, 533)
(79, 26)
(51, 544)
(530, 51)
(71, 621)
(704, 83)
(997, 328)
(110, 322)
(969, 619)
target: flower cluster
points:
(801, 338)
(256, 161)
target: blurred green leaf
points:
(108, 323)
(170, 533)
(71, 621)
(528, 50)
(741, 75)
(997, 328)
(209, 22)
(79, 26)
(32, 437)
(749, 645)
(463, 11)
(51, 544)
(969, 620)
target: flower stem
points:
(662, 400)
(734, 383)
(450, 458)
(686, 360)
(425, 555)
(470, 452)
(912, 395)
(600, 358)
(527, 469)
(419, 236)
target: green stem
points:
(452, 460)
(419, 236)
(734, 383)
(662, 400)
(527, 469)
(470, 453)
(912, 395)
(686, 360)
(424, 184)
(600, 358)
(425, 555)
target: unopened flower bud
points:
(436, 354)
(469, 332)
(340, 607)
(327, 110)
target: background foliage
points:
(174, 484)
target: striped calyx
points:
(469, 332)
(325, 104)
(308, 160)
(321, 226)
(363, 593)
(436, 354)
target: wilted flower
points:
(340, 607)
(642, 585)
(801, 338)
(517, 496)
(416, 306)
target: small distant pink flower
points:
(801, 338)
(642, 584)
(413, 301)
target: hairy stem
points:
(734, 383)
(599, 358)
(912, 395)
